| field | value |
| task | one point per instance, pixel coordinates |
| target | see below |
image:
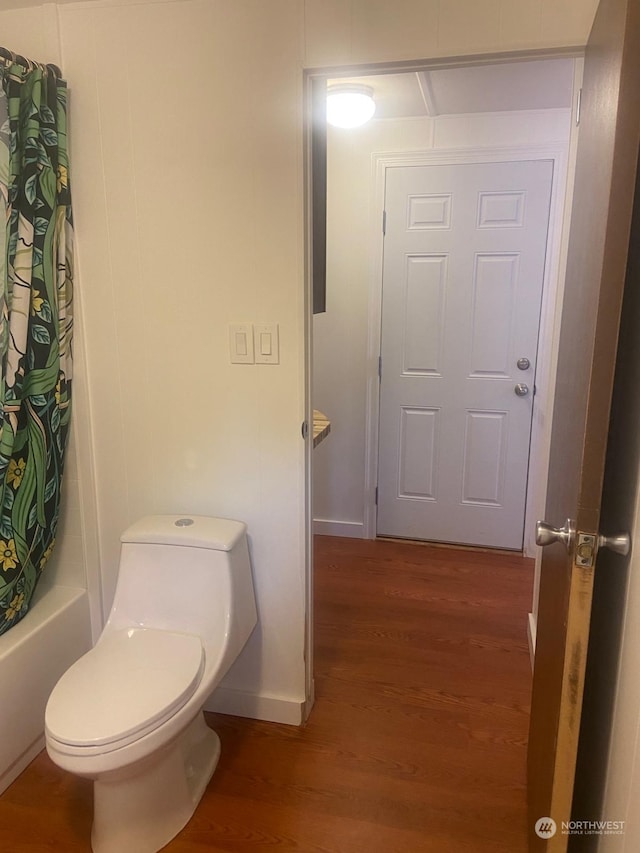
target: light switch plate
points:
(241, 343)
(266, 342)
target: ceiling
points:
(520, 85)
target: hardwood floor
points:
(417, 741)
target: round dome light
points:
(349, 106)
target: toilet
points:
(128, 714)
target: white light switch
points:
(266, 342)
(241, 343)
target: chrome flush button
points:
(184, 522)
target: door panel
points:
(424, 314)
(495, 281)
(484, 458)
(419, 430)
(463, 271)
(612, 576)
(603, 199)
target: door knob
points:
(547, 535)
(521, 389)
(620, 543)
(523, 364)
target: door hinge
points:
(578, 105)
(379, 368)
(376, 496)
(384, 221)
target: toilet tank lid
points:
(195, 531)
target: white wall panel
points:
(498, 129)
(168, 161)
(340, 32)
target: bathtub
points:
(33, 656)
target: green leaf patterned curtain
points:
(35, 325)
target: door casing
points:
(563, 169)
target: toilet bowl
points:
(128, 714)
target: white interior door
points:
(464, 257)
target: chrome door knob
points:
(546, 534)
(619, 542)
(521, 389)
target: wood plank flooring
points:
(417, 741)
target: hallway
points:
(417, 741)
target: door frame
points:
(549, 328)
(307, 460)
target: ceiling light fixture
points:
(349, 105)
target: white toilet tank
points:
(189, 574)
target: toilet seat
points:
(131, 682)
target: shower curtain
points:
(35, 323)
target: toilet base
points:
(140, 809)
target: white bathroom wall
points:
(341, 371)
(188, 190)
(32, 32)
(189, 218)
(345, 32)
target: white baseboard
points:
(273, 709)
(531, 636)
(351, 529)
